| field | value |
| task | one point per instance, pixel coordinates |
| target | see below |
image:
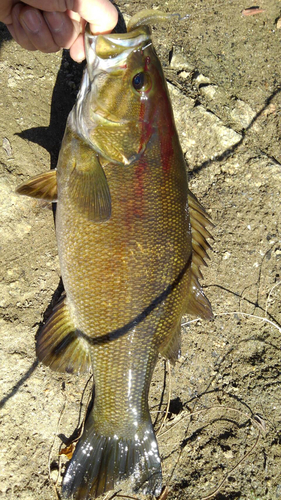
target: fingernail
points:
(55, 20)
(32, 20)
(79, 58)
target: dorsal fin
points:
(198, 304)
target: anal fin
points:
(171, 350)
(198, 304)
(59, 344)
(42, 186)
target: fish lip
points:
(129, 42)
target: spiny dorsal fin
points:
(42, 186)
(198, 303)
(59, 345)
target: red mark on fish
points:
(147, 62)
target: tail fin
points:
(101, 462)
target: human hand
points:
(48, 25)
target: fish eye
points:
(141, 82)
(138, 81)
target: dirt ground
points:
(222, 435)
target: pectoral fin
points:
(42, 186)
(198, 304)
(90, 191)
(59, 344)
(84, 176)
(88, 186)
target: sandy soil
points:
(222, 435)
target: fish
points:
(131, 241)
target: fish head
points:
(117, 109)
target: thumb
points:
(100, 14)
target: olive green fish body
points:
(125, 281)
(131, 239)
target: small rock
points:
(11, 82)
(242, 114)
(184, 74)
(7, 146)
(200, 79)
(179, 61)
(210, 91)
(226, 255)
(228, 454)
(54, 475)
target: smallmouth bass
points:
(131, 239)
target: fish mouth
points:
(109, 53)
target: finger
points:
(49, 5)
(63, 29)
(6, 8)
(75, 16)
(77, 51)
(101, 14)
(36, 30)
(17, 30)
(28, 45)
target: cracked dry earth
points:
(222, 434)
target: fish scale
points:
(131, 238)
